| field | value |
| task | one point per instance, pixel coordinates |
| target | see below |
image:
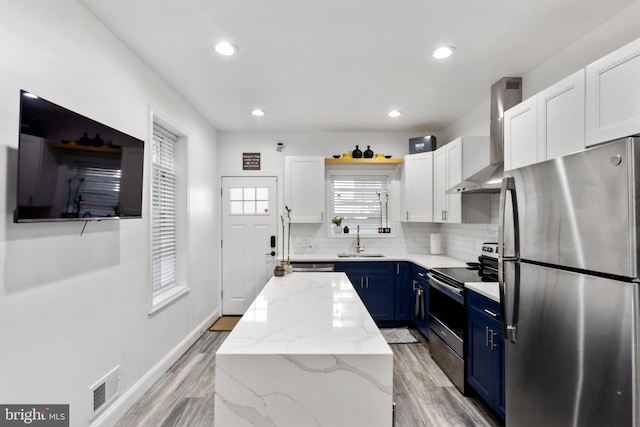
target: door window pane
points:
(249, 201)
(236, 208)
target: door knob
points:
(272, 253)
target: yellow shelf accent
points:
(103, 149)
(374, 161)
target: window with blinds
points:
(163, 212)
(360, 200)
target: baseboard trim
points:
(127, 399)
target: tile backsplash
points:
(461, 241)
(408, 238)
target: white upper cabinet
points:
(440, 196)
(417, 197)
(613, 95)
(521, 134)
(304, 188)
(448, 172)
(453, 211)
(561, 125)
(454, 162)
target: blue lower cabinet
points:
(403, 291)
(375, 284)
(420, 299)
(485, 351)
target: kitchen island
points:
(306, 353)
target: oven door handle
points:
(448, 290)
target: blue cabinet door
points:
(500, 404)
(485, 351)
(420, 317)
(375, 284)
(403, 291)
(380, 301)
(481, 373)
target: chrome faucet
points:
(359, 247)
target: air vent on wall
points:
(105, 391)
(513, 85)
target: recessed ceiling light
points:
(226, 48)
(395, 113)
(30, 95)
(257, 112)
(443, 52)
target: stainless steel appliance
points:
(448, 316)
(319, 267)
(568, 270)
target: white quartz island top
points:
(306, 352)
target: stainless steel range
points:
(447, 312)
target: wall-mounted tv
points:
(72, 168)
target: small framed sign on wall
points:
(250, 161)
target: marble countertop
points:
(423, 260)
(488, 289)
(306, 313)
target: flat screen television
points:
(73, 168)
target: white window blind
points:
(360, 200)
(163, 244)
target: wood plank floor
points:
(424, 396)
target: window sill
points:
(167, 297)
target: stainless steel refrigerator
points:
(569, 266)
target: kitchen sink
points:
(367, 255)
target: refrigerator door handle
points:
(508, 186)
(509, 323)
(508, 328)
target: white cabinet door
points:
(613, 95)
(521, 134)
(439, 184)
(418, 189)
(454, 177)
(304, 188)
(561, 125)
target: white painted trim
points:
(159, 301)
(165, 298)
(119, 407)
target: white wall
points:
(71, 307)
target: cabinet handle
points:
(398, 268)
(367, 282)
(413, 284)
(490, 313)
(361, 282)
(407, 215)
(486, 336)
(420, 274)
(322, 216)
(492, 335)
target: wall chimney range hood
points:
(505, 93)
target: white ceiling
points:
(343, 64)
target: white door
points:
(249, 227)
